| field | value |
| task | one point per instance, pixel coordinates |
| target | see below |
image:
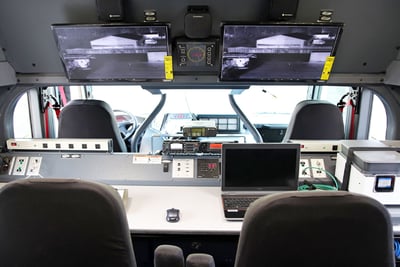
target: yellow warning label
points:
(169, 74)
(327, 68)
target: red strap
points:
(46, 121)
(63, 96)
(352, 119)
(57, 110)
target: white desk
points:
(200, 210)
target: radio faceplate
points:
(190, 147)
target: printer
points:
(371, 168)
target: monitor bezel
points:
(112, 25)
(339, 25)
(260, 146)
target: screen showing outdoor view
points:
(113, 52)
(277, 51)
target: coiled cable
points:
(310, 186)
(397, 249)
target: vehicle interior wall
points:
(390, 96)
(9, 96)
(368, 45)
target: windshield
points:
(259, 113)
(261, 104)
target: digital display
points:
(384, 183)
(195, 132)
(281, 51)
(216, 146)
(196, 55)
(207, 168)
(113, 51)
(176, 146)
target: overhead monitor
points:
(113, 51)
(277, 51)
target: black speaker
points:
(282, 10)
(197, 22)
(110, 10)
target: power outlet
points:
(318, 168)
(183, 168)
(34, 166)
(20, 164)
(304, 169)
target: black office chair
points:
(90, 118)
(172, 256)
(200, 260)
(315, 119)
(63, 222)
(168, 255)
(316, 228)
(68, 222)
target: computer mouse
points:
(173, 215)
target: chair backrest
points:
(316, 228)
(315, 119)
(90, 118)
(63, 222)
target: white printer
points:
(371, 168)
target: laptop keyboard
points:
(240, 203)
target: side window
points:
(334, 94)
(378, 122)
(22, 124)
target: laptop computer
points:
(250, 171)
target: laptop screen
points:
(260, 167)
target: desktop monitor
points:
(91, 52)
(277, 51)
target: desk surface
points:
(200, 208)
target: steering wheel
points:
(127, 123)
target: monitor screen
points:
(113, 51)
(281, 51)
(260, 166)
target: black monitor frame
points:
(113, 52)
(276, 162)
(252, 56)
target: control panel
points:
(20, 165)
(196, 55)
(183, 161)
(312, 168)
(316, 171)
(60, 144)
